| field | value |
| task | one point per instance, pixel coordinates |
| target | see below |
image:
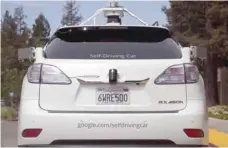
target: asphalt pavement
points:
(219, 125)
(9, 131)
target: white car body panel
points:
(62, 126)
(79, 97)
(59, 109)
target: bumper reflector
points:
(194, 133)
(31, 133)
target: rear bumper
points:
(94, 126)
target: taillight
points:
(191, 73)
(33, 73)
(46, 74)
(179, 74)
(31, 133)
(194, 133)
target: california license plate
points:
(113, 96)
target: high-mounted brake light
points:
(46, 74)
(179, 74)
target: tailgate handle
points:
(137, 82)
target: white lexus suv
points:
(112, 85)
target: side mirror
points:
(39, 54)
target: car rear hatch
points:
(81, 62)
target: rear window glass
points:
(112, 43)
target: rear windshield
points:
(112, 43)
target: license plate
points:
(112, 96)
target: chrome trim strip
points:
(137, 82)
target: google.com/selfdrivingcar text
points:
(90, 125)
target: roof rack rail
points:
(114, 12)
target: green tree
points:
(217, 15)
(200, 23)
(12, 81)
(23, 32)
(8, 29)
(19, 17)
(40, 31)
(187, 20)
(15, 34)
(71, 14)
